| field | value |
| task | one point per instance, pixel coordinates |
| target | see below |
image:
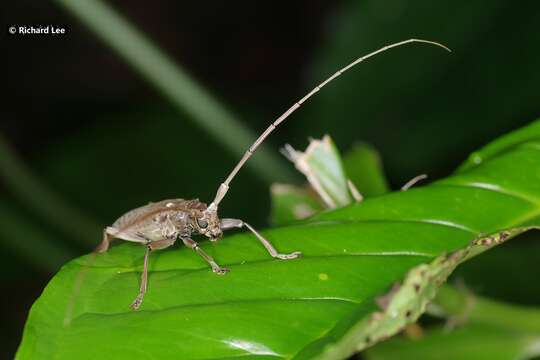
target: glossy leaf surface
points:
(319, 306)
(476, 328)
(363, 167)
(290, 203)
(473, 342)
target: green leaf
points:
(320, 306)
(487, 277)
(363, 167)
(328, 183)
(474, 342)
(291, 203)
(461, 306)
(328, 177)
(515, 138)
(483, 329)
(321, 164)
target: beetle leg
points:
(144, 281)
(237, 223)
(151, 245)
(111, 232)
(104, 244)
(215, 267)
(161, 244)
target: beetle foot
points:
(220, 270)
(136, 304)
(290, 256)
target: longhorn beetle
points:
(159, 225)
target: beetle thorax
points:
(184, 217)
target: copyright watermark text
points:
(36, 30)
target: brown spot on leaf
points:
(384, 301)
(376, 316)
(487, 241)
(453, 257)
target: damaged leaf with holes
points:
(325, 305)
(476, 328)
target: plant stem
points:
(28, 242)
(174, 83)
(473, 308)
(45, 202)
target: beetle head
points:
(208, 224)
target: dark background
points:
(94, 132)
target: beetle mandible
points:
(159, 225)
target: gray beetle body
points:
(159, 225)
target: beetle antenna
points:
(224, 187)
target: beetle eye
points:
(203, 224)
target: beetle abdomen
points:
(152, 214)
